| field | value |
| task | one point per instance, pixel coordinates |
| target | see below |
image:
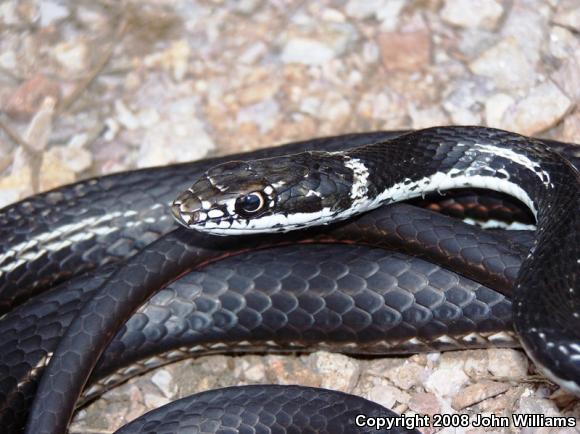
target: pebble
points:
(405, 51)
(425, 403)
(263, 114)
(495, 109)
(73, 55)
(543, 107)
(178, 135)
(27, 99)
(507, 363)
(338, 371)
(306, 51)
(461, 13)
(406, 375)
(526, 25)
(51, 12)
(388, 396)
(164, 381)
(446, 382)
(568, 14)
(476, 393)
(506, 65)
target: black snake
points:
(176, 253)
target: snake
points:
(489, 158)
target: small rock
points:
(253, 53)
(177, 137)
(247, 7)
(429, 117)
(495, 108)
(389, 14)
(74, 157)
(563, 43)
(446, 382)
(407, 375)
(306, 51)
(567, 77)
(256, 372)
(338, 371)
(40, 126)
(507, 363)
(175, 59)
(154, 401)
(535, 405)
(405, 51)
(284, 370)
(571, 128)
(476, 393)
(387, 396)
(425, 403)
(51, 12)
(506, 65)
(568, 14)
(461, 13)
(263, 114)
(164, 381)
(72, 55)
(541, 109)
(27, 99)
(527, 25)
(54, 172)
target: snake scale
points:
(26, 237)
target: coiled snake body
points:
(322, 187)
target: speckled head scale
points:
(257, 196)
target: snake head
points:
(269, 195)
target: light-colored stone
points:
(177, 137)
(164, 381)
(387, 396)
(568, 14)
(174, 58)
(338, 371)
(429, 117)
(495, 108)
(563, 43)
(483, 14)
(306, 51)
(506, 65)
(263, 114)
(527, 25)
(478, 392)
(73, 55)
(406, 375)
(54, 172)
(507, 363)
(446, 382)
(51, 12)
(539, 110)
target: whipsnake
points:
(549, 167)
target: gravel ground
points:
(94, 87)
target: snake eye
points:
(250, 203)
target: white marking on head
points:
(215, 213)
